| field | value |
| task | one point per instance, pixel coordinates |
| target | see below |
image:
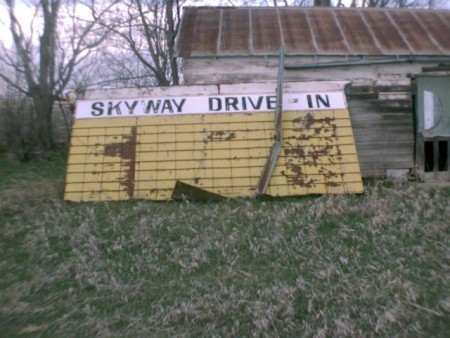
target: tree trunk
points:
(43, 106)
(322, 3)
(171, 42)
(47, 69)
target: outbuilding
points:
(396, 63)
(278, 102)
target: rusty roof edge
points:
(182, 48)
(432, 39)
(405, 40)
(377, 43)
(280, 29)
(219, 34)
(290, 8)
(446, 23)
(336, 19)
(311, 30)
(223, 55)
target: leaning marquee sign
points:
(210, 142)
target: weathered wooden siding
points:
(383, 124)
(379, 99)
(229, 70)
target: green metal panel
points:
(433, 106)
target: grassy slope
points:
(368, 265)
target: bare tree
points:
(115, 68)
(148, 28)
(43, 61)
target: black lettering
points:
(231, 102)
(215, 107)
(258, 103)
(152, 107)
(325, 101)
(271, 102)
(97, 109)
(167, 106)
(310, 104)
(131, 107)
(244, 103)
(179, 106)
(116, 107)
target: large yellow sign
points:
(119, 150)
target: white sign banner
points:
(219, 104)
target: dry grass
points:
(369, 265)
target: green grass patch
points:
(369, 265)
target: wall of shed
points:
(228, 70)
(379, 99)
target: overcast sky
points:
(25, 12)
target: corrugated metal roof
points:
(216, 31)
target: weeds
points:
(370, 265)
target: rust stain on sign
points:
(309, 120)
(310, 128)
(298, 177)
(221, 136)
(126, 150)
